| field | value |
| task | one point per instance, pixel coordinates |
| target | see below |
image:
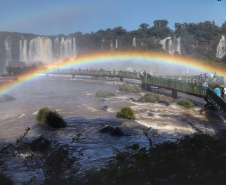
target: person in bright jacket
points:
(217, 91)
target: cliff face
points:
(17, 48)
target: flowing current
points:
(75, 100)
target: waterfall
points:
(23, 50)
(178, 48)
(40, 50)
(171, 45)
(221, 48)
(134, 43)
(74, 47)
(116, 43)
(111, 45)
(8, 52)
(44, 49)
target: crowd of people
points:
(206, 77)
(17, 69)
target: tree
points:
(161, 23)
(144, 26)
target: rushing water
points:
(75, 100)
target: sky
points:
(53, 17)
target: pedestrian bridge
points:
(176, 84)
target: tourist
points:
(217, 91)
(211, 76)
(188, 81)
(204, 86)
(215, 77)
(195, 84)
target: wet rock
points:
(117, 132)
(150, 114)
(40, 144)
(132, 99)
(105, 108)
(164, 102)
(107, 129)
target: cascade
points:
(116, 43)
(8, 52)
(111, 45)
(221, 48)
(134, 43)
(23, 50)
(40, 50)
(171, 45)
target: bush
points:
(152, 97)
(50, 118)
(129, 88)
(104, 94)
(5, 98)
(126, 112)
(53, 119)
(185, 103)
(42, 113)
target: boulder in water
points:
(107, 129)
(117, 132)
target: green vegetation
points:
(50, 118)
(129, 88)
(126, 112)
(5, 98)
(104, 94)
(185, 103)
(152, 97)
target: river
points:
(84, 113)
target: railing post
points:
(174, 94)
(121, 79)
(73, 75)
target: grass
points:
(185, 103)
(50, 118)
(104, 94)
(152, 97)
(126, 112)
(129, 88)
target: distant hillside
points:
(204, 41)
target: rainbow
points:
(119, 56)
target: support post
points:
(147, 87)
(143, 85)
(73, 75)
(174, 94)
(121, 79)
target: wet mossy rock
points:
(126, 112)
(185, 103)
(50, 118)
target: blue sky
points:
(53, 17)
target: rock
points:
(105, 108)
(107, 129)
(40, 144)
(164, 102)
(132, 99)
(117, 132)
(150, 114)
